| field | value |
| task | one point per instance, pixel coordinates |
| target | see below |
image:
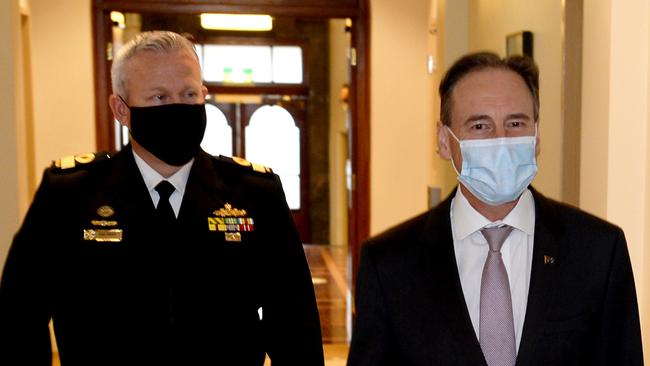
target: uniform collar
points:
(151, 177)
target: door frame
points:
(357, 10)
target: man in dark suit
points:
(497, 274)
(208, 270)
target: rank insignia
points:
(231, 221)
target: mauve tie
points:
(496, 330)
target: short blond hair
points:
(155, 41)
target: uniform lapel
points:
(204, 193)
(126, 192)
(543, 277)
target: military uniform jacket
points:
(225, 284)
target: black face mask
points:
(171, 132)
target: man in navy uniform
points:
(497, 274)
(160, 254)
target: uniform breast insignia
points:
(103, 230)
(231, 221)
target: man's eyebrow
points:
(477, 117)
(519, 116)
(156, 89)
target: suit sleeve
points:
(25, 291)
(290, 315)
(371, 343)
(620, 335)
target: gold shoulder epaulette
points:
(245, 163)
(72, 161)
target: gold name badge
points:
(233, 237)
(103, 235)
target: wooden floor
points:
(328, 265)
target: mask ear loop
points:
(124, 101)
(452, 158)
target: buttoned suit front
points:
(182, 293)
(581, 309)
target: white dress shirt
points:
(152, 178)
(471, 248)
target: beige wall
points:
(11, 105)
(615, 164)
(452, 41)
(401, 126)
(46, 97)
(62, 72)
(489, 23)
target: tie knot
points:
(495, 236)
(165, 189)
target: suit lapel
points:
(441, 273)
(543, 277)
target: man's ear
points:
(444, 150)
(120, 110)
(204, 90)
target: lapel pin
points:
(549, 260)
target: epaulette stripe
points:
(69, 162)
(259, 168)
(245, 163)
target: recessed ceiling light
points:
(237, 22)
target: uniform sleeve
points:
(290, 315)
(620, 335)
(25, 292)
(370, 336)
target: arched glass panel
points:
(218, 134)
(272, 139)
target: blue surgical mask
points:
(497, 170)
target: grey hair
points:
(155, 41)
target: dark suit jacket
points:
(582, 308)
(165, 294)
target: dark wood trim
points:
(104, 135)
(234, 40)
(359, 220)
(264, 89)
(321, 9)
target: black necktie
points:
(164, 209)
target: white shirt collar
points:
(466, 220)
(152, 177)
